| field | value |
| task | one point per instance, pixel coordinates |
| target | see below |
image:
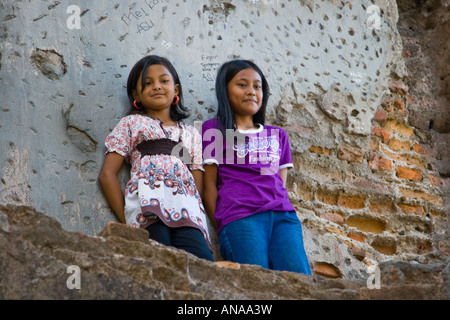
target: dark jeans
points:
(185, 238)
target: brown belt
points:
(160, 146)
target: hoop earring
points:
(136, 106)
(176, 101)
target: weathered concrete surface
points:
(364, 105)
(121, 263)
(64, 88)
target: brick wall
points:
(383, 199)
(384, 196)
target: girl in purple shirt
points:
(246, 165)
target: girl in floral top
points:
(165, 154)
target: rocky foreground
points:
(40, 260)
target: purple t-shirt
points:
(249, 163)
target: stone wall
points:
(362, 95)
(42, 261)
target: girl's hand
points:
(110, 184)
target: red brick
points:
(328, 198)
(317, 149)
(380, 117)
(383, 134)
(439, 182)
(315, 172)
(425, 151)
(399, 145)
(366, 224)
(358, 253)
(398, 87)
(385, 248)
(357, 237)
(379, 163)
(398, 127)
(416, 194)
(350, 154)
(228, 264)
(409, 209)
(382, 207)
(333, 217)
(400, 105)
(374, 144)
(335, 230)
(424, 246)
(327, 270)
(304, 192)
(351, 202)
(408, 159)
(367, 185)
(409, 174)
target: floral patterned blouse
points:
(161, 186)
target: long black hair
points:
(227, 71)
(178, 111)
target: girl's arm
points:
(283, 174)
(196, 160)
(198, 178)
(210, 191)
(110, 184)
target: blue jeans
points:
(270, 239)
